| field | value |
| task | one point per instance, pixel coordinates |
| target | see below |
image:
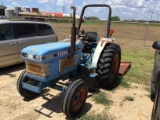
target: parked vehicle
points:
(155, 84)
(16, 35)
(81, 58)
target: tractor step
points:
(124, 67)
(59, 86)
(33, 86)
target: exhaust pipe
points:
(73, 32)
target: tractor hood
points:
(49, 50)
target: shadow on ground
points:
(114, 86)
(53, 104)
(8, 70)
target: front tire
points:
(23, 92)
(108, 64)
(74, 98)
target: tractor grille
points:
(37, 68)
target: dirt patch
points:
(138, 109)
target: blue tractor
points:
(82, 57)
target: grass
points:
(96, 117)
(102, 98)
(125, 83)
(141, 65)
(148, 89)
(128, 98)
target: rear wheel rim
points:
(115, 65)
(79, 99)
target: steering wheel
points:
(82, 35)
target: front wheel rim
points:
(115, 65)
(79, 99)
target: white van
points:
(15, 35)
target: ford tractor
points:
(81, 57)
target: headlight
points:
(31, 56)
(37, 68)
(37, 57)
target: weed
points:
(101, 98)
(125, 83)
(128, 98)
(148, 89)
(96, 117)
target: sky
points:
(125, 9)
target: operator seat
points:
(92, 36)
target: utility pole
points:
(145, 36)
(151, 15)
(63, 9)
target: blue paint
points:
(36, 89)
(87, 58)
(94, 75)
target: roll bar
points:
(96, 5)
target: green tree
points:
(115, 18)
(93, 18)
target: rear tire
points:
(23, 92)
(154, 84)
(153, 90)
(156, 106)
(108, 64)
(74, 98)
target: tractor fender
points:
(101, 44)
